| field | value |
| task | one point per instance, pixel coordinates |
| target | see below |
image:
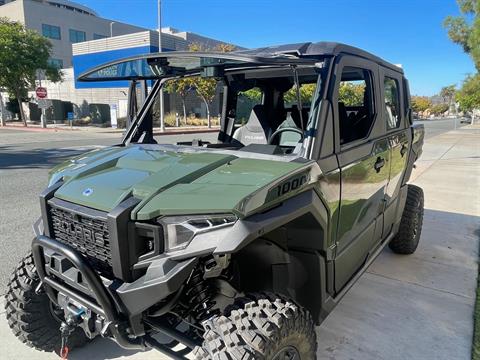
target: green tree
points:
(254, 94)
(206, 88)
(181, 87)
(469, 95)
(306, 94)
(448, 93)
(351, 94)
(420, 103)
(22, 53)
(464, 30)
(439, 109)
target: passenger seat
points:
(256, 130)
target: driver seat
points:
(255, 131)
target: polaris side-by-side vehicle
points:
(234, 248)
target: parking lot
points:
(404, 307)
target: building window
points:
(58, 63)
(99, 36)
(51, 31)
(77, 36)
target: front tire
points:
(408, 236)
(268, 327)
(33, 317)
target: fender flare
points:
(247, 230)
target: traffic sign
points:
(44, 103)
(41, 92)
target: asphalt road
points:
(25, 158)
(439, 126)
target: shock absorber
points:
(199, 296)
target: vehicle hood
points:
(166, 181)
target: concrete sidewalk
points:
(421, 306)
(404, 307)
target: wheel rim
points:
(287, 353)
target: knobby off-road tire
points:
(408, 236)
(259, 327)
(31, 316)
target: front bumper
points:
(64, 270)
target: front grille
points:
(88, 235)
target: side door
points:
(363, 156)
(394, 114)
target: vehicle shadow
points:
(11, 158)
(102, 349)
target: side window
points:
(392, 103)
(246, 100)
(355, 104)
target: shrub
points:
(170, 119)
(439, 109)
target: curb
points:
(112, 131)
(33, 129)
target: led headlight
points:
(180, 230)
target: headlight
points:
(180, 230)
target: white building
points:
(64, 23)
(81, 40)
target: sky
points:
(407, 32)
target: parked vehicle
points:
(235, 249)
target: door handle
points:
(403, 150)
(379, 164)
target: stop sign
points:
(41, 92)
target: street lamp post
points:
(111, 28)
(43, 117)
(159, 18)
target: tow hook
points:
(66, 329)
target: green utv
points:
(233, 248)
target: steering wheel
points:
(285, 129)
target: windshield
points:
(255, 110)
(229, 101)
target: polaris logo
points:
(87, 192)
(79, 232)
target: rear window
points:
(392, 103)
(246, 100)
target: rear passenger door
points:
(363, 154)
(394, 115)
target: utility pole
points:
(160, 94)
